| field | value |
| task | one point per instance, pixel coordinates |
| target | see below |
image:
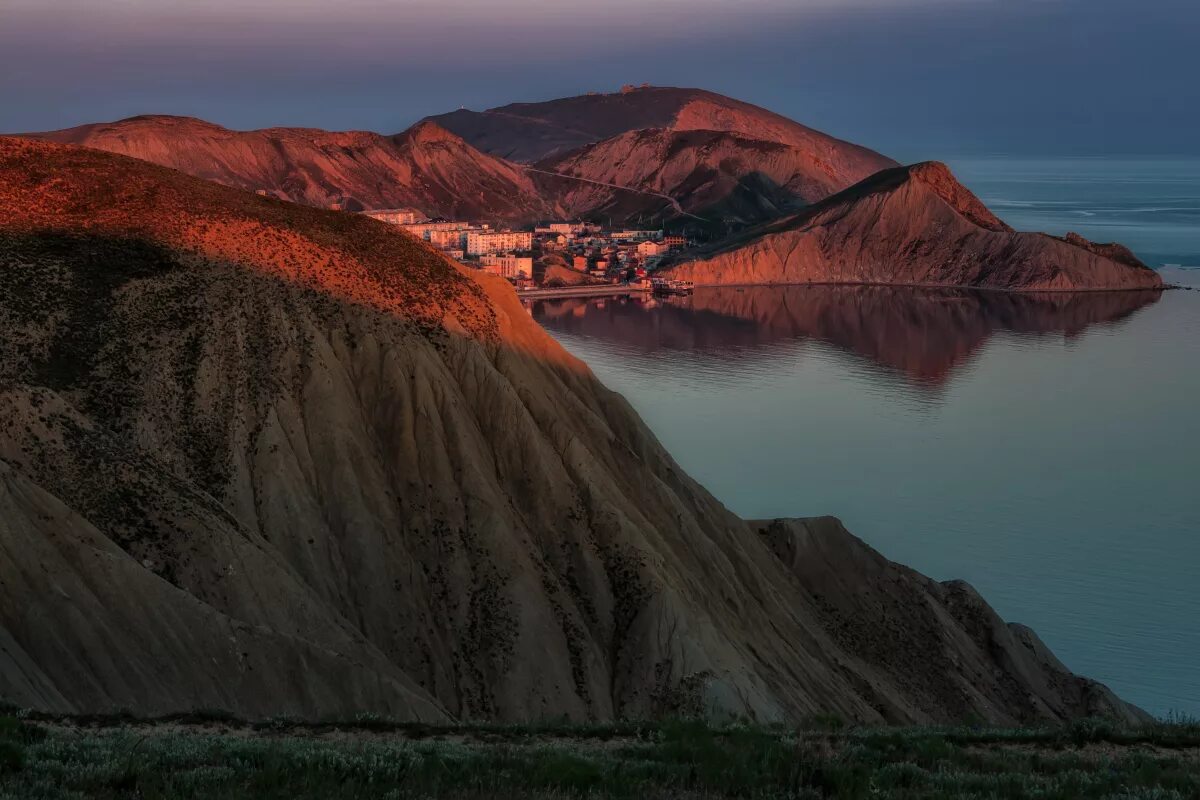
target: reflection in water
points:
(923, 334)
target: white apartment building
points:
(484, 242)
(448, 240)
(507, 266)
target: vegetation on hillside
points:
(209, 757)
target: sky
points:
(912, 78)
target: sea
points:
(1045, 448)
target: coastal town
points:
(558, 257)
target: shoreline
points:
(958, 286)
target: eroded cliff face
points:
(913, 226)
(282, 461)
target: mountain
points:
(912, 225)
(282, 461)
(426, 167)
(716, 157)
(714, 175)
(531, 132)
(643, 155)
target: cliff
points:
(912, 225)
(282, 461)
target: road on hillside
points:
(674, 203)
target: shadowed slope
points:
(283, 461)
(913, 226)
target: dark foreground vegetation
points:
(208, 756)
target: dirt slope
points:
(276, 460)
(914, 226)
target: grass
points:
(212, 756)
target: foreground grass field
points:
(211, 757)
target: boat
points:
(667, 286)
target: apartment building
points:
(396, 216)
(483, 242)
(507, 266)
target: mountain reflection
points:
(922, 333)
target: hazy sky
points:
(914, 78)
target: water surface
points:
(1046, 448)
(1152, 205)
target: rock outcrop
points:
(276, 460)
(916, 226)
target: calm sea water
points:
(1150, 204)
(1045, 448)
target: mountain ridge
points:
(465, 177)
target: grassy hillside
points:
(199, 757)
